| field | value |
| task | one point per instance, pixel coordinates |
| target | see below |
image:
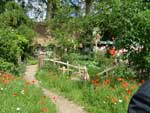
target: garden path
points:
(63, 105)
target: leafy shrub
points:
(12, 6)
(6, 66)
(14, 16)
(123, 71)
(26, 31)
(15, 34)
(11, 45)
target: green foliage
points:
(26, 31)
(105, 96)
(2, 5)
(14, 16)
(12, 6)
(16, 34)
(11, 45)
(32, 60)
(6, 66)
(123, 71)
(20, 96)
(128, 22)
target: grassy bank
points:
(97, 96)
(18, 96)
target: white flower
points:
(120, 101)
(22, 92)
(104, 102)
(18, 109)
(1, 89)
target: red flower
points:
(127, 98)
(125, 84)
(114, 100)
(129, 92)
(112, 51)
(132, 87)
(33, 81)
(28, 83)
(106, 82)
(45, 109)
(15, 94)
(143, 81)
(112, 88)
(5, 76)
(95, 82)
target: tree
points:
(51, 8)
(2, 5)
(88, 4)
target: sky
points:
(42, 7)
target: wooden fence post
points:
(85, 75)
(68, 67)
(41, 59)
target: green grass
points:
(32, 60)
(103, 96)
(18, 96)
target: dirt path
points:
(63, 105)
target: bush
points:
(14, 16)
(6, 66)
(124, 72)
(15, 34)
(26, 31)
(11, 45)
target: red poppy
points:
(28, 83)
(114, 100)
(112, 88)
(132, 87)
(125, 84)
(129, 92)
(15, 94)
(127, 98)
(95, 82)
(33, 81)
(112, 51)
(143, 81)
(45, 109)
(106, 82)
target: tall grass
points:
(97, 96)
(18, 96)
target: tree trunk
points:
(51, 9)
(88, 4)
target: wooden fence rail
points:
(107, 70)
(64, 63)
(82, 70)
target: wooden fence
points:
(82, 70)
